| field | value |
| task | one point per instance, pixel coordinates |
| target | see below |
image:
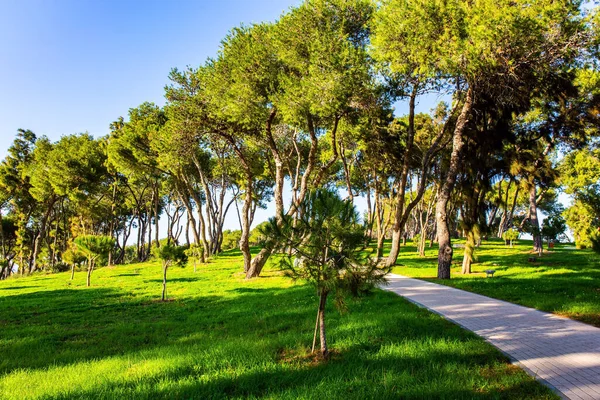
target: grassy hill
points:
(563, 281)
(220, 336)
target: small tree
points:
(328, 246)
(94, 247)
(195, 253)
(73, 257)
(553, 227)
(510, 235)
(169, 255)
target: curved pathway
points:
(562, 353)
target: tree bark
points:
(398, 222)
(322, 331)
(441, 216)
(533, 220)
(164, 289)
(89, 272)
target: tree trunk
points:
(398, 222)
(533, 220)
(244, 240)
(322, 332)
(443, 232)
(164, 290)
(72, 271)
(89, 273)
(469, 252)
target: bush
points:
(60, 267)
(416, 239)
(257, 237)
(595, 239)
(231, 239)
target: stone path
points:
(562, 353)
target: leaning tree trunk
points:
(441, 209)
(72, 271)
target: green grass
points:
(223, 337)
(564, 281)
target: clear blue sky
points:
(70, 66)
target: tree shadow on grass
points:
(406, 353)
(19, 287)
(385, 347)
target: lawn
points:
(565, 281)
(220, 336)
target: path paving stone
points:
(562, 353)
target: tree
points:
(502, 51)
(553, 227)
(94, 247)
(169, 255)
(328, 250)
(580, 176)
(195, 253)
(510, 236)
(72, 257)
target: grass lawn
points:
(564, 281)
(222, 337)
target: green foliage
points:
(257, 237)
(73, 256)
(94, 246)
(328, 246)
(554, 227)
(580, 175)
(231, 239)
(195, 252)
(595, 239)
(171, 255)
(510, 235)
(416, 239)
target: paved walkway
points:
(562, 353)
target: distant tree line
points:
(308, 100)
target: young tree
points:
(510, 236)
(93, 247)
(195, 253)
(553, 227)
(169, 255)
(328, 250)
(72, 256)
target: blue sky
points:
(70, 66)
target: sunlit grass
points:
(220, 336)
(564, 281)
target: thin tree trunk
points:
(164, 290)
(244, 240)
(314, 343)
(533, 220)
(322, 331)
(72, 271)
(89, 273)
(441, 216)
